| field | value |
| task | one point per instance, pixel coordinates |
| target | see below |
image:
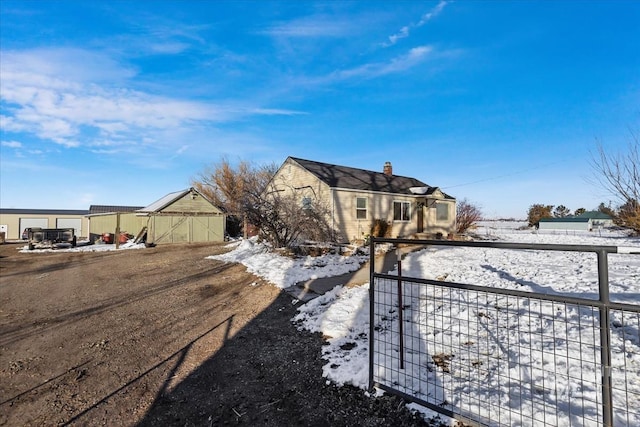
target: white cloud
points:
(404, 31)
(169, 48)
(12, 144)
(64, 65)
(432, 14)
(55, 97)
(400, 63)
(313, 26)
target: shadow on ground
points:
(270, 374)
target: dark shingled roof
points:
(359, 179)
(98, 209)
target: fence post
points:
(372, 269)
(400, 317)
(605, 338)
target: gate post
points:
(605, 338)
(400, 308)
(372, 260)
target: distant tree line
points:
(616, 173)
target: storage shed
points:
(105, 218)
(181, 217)
(184, 217)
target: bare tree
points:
(619, 174)
(467, 215)
(285, 220)
(537, 212)
(231, 188)
(246, 194)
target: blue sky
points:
(498, 102)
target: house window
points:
(306, 203)
(361, 208)
(401, 211)
(442, 212)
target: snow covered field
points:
(539, 369)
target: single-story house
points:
(181, 217)
(357, 197)
(14, 221)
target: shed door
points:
(33, 223)
(75, 223)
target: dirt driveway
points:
(161, 336)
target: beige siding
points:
(379, 206)
(130, 223)
(186, 229)
(192, 203)
(12, 221)
(433, 225)
(293, 179)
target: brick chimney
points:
(387, 170)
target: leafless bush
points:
(231, 188)
(619, 174)
(467, 215)
(380, 228)
(285, 222)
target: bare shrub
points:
(619, 174)
(380, 228)
(467, 215)
(231, 188)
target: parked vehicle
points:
(50, 237)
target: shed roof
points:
(336, 176)
(565, 219)
(170, 198)
(164, 201)
(594, 215)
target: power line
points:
(503, 176)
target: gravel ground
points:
(162, 336)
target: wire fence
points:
(495, 357)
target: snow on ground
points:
(284, 271)
(84, 246)
(343, 316)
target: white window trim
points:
(365, 209)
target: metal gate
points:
(494, 356)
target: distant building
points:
(14, 221)
(598, 219)
(568, 223)
(586, 221)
